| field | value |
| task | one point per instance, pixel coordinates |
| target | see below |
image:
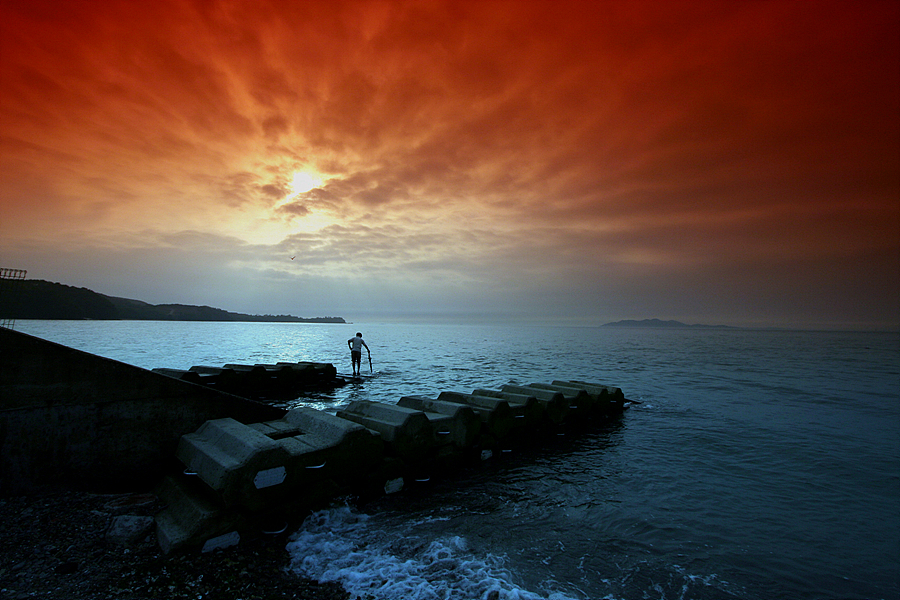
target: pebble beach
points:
(69, 546)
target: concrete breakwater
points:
(229, 467)
(247, 479)
(261, 381)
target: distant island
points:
(660, 323)
(38, 299)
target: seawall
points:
(70, 419)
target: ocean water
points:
(757, 464)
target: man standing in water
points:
(356, 344)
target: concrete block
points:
(189, 376)
(555, 404)
(252, 381)
(313, 371)
(497, 418)
(282, 380)
(443, 428)
(225, 380)
(326, 425)
(254, 370)
(610, 399)
(579, 399)
(309, 456)
(277, 429)
(597, 388)
(526, 408)
(208, 370)
(406, 432)
(465, 425)
(193, 516)
(235, 460)
(263, 428)
(346, 448)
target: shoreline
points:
(58, 546)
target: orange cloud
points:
(578, 135)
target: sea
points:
(752, 464)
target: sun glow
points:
(303, 182)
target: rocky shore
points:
(80, 546)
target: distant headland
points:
(660, 323)
(38, 299)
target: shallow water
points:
(759, 464)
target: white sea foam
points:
(339, 545)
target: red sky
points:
(583, 162)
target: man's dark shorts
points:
(356, 356)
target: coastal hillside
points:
(660, 323)
(38, 299)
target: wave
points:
(338, 545)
